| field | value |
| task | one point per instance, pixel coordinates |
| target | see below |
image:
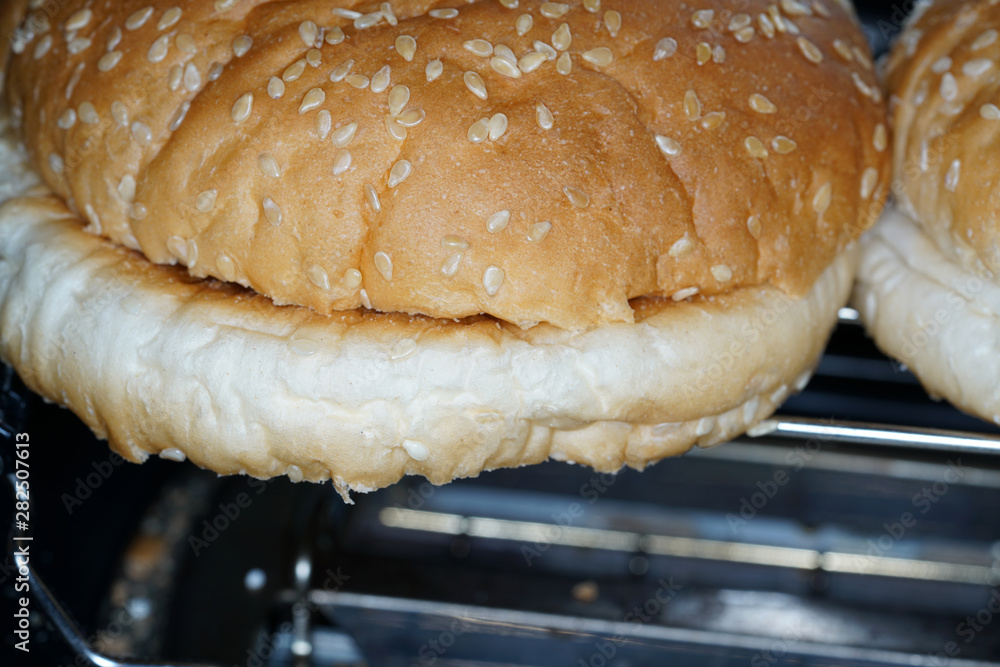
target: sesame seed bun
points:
(928, 287)
(410, 242)
(538, 162)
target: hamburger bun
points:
(594, 233)
(928, 287)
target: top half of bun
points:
(533, 161)
(944, 84)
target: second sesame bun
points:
(536, 162)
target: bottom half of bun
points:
(931, 313)
(159, 363)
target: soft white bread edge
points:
(931, 313)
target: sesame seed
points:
(668, 146)
(443, 13)
(498, 125)
(692, 105)
(341, 70)
(324, 123)
(479, 131)
(880, 137)
(554, 10)
(450, 266)
(821, 9)
(404, 348)
(577, 197)
(406, 47)
(178, 248)
(186, 44)
(681, 247)
(821, 200)
(496, 222)
(141, 133)
(492, 280)
(542, 47)
(713, 120)
(223, 5)
(137, 19)
(601, 56)
(783, 145)
(544, 117)
(334, 35)
(538, 231)
(78, 19)
(475, 84)
(78, 45)
(382, 261)
(386, 9)
(174, 77)
(433, 70)
(843, 50)
(368, 20)
(304, 347)
(753, 226)
(399, 96)
(703, 18)
(564, 65)
(294, 71)
(951, 177)
(381, 79)
(765, 25)
(242, 108)
(718, 54)
(395, 130)
(529, 62)
(990, 111)
(703, 53)
(739, 21)
(126, 188)
(275, 88)
(314, 57)
(949, 87)
(665, 48)
(226, 267)
(311, 100)
(359, 81)
(114, 38)
(342, 136)
(868, 182)
(241, 45)
(169, 18)
(722, 273)
(88, 114)
(179, 116)
(479, 47)
(454, 242)
(509, 4)
(137, 212)
(318, 276)
(348, 14)
(755, 147)
(562, 38)
(351, 279)
(744, 35)
(592, 6)
(365, 301)
(108, 61)
(613, 20)
(158, 51)
(269, 165)
(372, 198)
(411, 117)
(761, 104)
(399, 172)
(977, 67)
(987, 38)
(205, 201)
(795, 8)
(523, 24)
(685, 293)
(272, 211)
(505, 67)
(809, 50)
(119, 113)
(941, 65)
(863, 87)
(192, 79)
(341, 161)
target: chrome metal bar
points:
(848, 316)
(857, 433)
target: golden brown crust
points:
(641, 201)
(944, 84)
